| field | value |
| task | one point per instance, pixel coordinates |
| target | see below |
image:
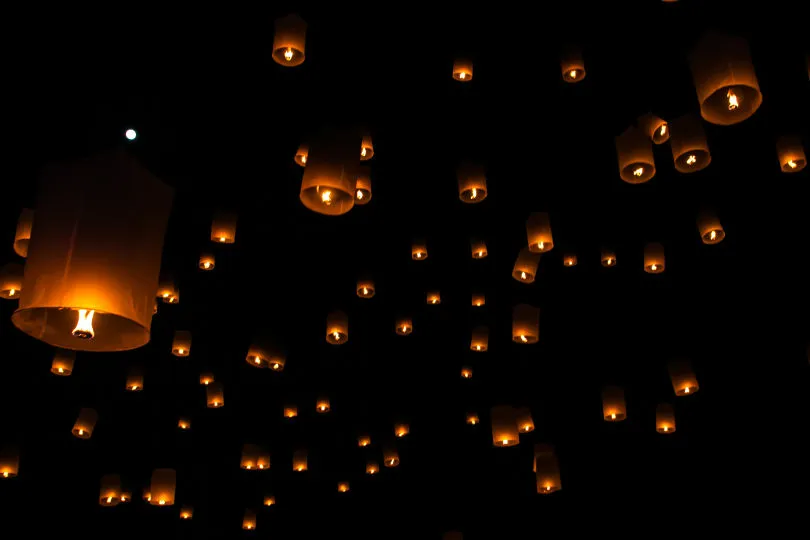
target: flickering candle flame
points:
(686, 390)
(526, 427)
(185, 515)
(134, 387)
(613, 416)
(206, 265)
(691, 159)
(523, 275)
(109, 500)
(326, 197)
(791, 164)
(84, 325)
(222, 238)
(123, 498)
(81, 432)
(276, 365)
(548, 488)
(418, 254)
(541, 245)
(393, 461)
(12, 292)
(365, 290)
(258, 360)
(162, 502)
(404, 328)
(336, 335)
(216, 404)
(363, 152)
(462, 75)
(166, 295)
(288, 54)
(663, 130)
(505, 442)
(181, 351)
(478, 347)
(60, 370)
(474, 193)
(5, 474)
(733, 102)
(261, 466)
(713, 235)
(303, 159)
(359, 194)
(666, 428)
(481, 253)
(609, 262)
(654, 267)
(523, 339)
(572, 74)
(639, 171)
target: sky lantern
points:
(504, 426)
(330, 177)
(110, 492)
(525, 324)
(264, 357)
(214, 395)
(538, 232)
(525, 268)
(791, 154)
(401, 430)
(419, 251)
(223, 227)
(709, 227)
(300, 461)
(126, 496)
(9, 462)
(366, 148)
(290, 411)
(184, 424)
(653, 127)
(362, 194)
(363, 441)
(269, 500)
(343, 487)
(85, 423)
(463, 70)
(570, 259)
(186, 512)
(254, 458)
(337, 328)
(63, 361)
(207, 261)
(181, 344)
(726, 84)
(322, 405)
(301, 155)
(472, 183)
(134, 380)
(690, 149)
(466, 372)
(479, 249)
(546, 469)
(404, 326)
(479, 300)
(654, 261)
(613, 406)
(22, 236)
(390, 456)
(167, 291)
(480, 339)
(11, 281)
(372, 468)
(206, 378)
(635, 154)
(93, 265)
(472, 419)
(433, 297)
(365, 288)
(684, 381)
(523, 418)
(163, 486)
(573, 67)
(289, 41)
(249, 520)
(608, 258)
(146, 495)
(664, 418)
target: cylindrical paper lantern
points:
(463, 70)
(301, 155)
(525, 324)
(608, 258)
(254, 457)
(343, 487)
(362, 194)
(181, 344)
(365, 288)
(366, 148)
(479, 300)
(134, 380)
(290, 411)
(479, 341)
(110, 493)
(322, 405)
(479, 249)
(23, 234)
(546, 469)
(613, 406)
(164, 483)
(94, 258)
(265, 357)
(11, 281)
(684, 381)
(573, 68)
(404, 326)
(472, 183)
(330, 178)
(372, 467)
(249, 520)
(504, 426)
(223, 228)
(85, 423)
(434, 297)
(538, 231)
(419, 251)
(665, 418)
(337, 328)
(466, 372)
(390, 456)
(711, 232)
(472, 419)
(207, 261)
(63, 361)
(269, 500)
(400, 430)
(206, 378)
(167, 291)
(636, 163)
(569, 259)
(525, 268)
(289, 41)
(363, 440)
(654, 261)
(523, 418)
(300, 461)
(727, 87)
(789, 149)
(9, 462)
(655, 128)
(690, 149)
(184, 424)
(186, 512)
(215, 395)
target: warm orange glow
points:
(290, 411)
(466, 373)
(207, 262)
(337, 328)
(84, 324)
(504, 426)
(269, 500)
(400, 430)
(478, 300)
(434, 298)
(304, 159)
(372, 468)
(638, 172)
(322, 405)
(472, 419)
(288, 54)
(613, 404)
(663, 130)
(206, 379)
(691, 159)
(343, 487)
(363, 441)
(733, 101)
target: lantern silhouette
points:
(690, 149)
(168, 292)
(472, 183)
(472, 419)
(684, 381)
(263, 357)
(463, 70)
(711, 232)
(301, 155)
(523, 418)
(207, 261)
(400, 430)
(110, 492)
(184, 424)
(654, 261)
(366, 148)
(479, 249)
(480, 339)
(546, 469)
(223, 228)
(249, 520)
(390, 457)
(300, 461)
(362, 194)
(569, 260)
(434, 297)
(63, 361)
(9, 462)
(636, 163)
(322, 405)
(290, 411)
(365, 288)
(790, 151)
(419, 251)
(269, 500)
(214, 395)
(363, 441)
(613, 406)
(289, 41)
(525, 324)
(11, 281)
(665, 419)
(85, 423)
(573, 68)
(337, 328)
(466, 372)
(134, 380)
(655, 128)
(726, 84)
(479, 300)
(343, 487)
(23, 234)
(525, 268)
(186, 512)
(538, 232)
(164, 483)
(504, 426)
(181, 344)
(206, 378)
(372, 468)
(608, 258)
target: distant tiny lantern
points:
(126, 496)
(472, 419)
(665, 418)
(608, 258)
(9, 462)
(362, 193)
(11, 281)
(523, 418)
(110, 492)
(249, 520)
(300, 461)
(134, 380)
(636, 163)
(546, 469)
(206, 378)
(404, 326)
(337, 328)
(390, 456)
(343, 487)
(472, 183)
(63, 361)
(573, 67)
(538, 232)
(463, 70)
(690, 149)
(479, 300)
(372, 467)
(479, 249)
(365, 288)
(613, 406)
(181, 344)
(207, 261)
(167, 291)
(684, 381)
(23, 234)
(724, 77)
(322, 405)
(163, 486)
(363, 441)
(655, 128)
(504, 426)
(791, 155)
(654, 260)
(401, 430)
(301, 155)
(290, 411)
(366, 148)
(479, 342)
(186, 513)
(146, 495)
(570, 260)
(215, 395)
(419, 251)
(254, 458)
(466, 372)
(85, 423)
(525, 268)
(709, 227)
(223, 228)
(525, 324)
(434, 297)
(269, 500)
(184, 424)
(264, 357)
(289, 41)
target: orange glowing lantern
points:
(167, 291)
(390, 457)
(525, 268)
(290, 411)
(93, 266)
(363, 441)
(791, 155)
(85, 423)
(126, 496)
(613, 406)
(343, 487)
(480, 339)
(665, 419)
(709, 227)
(525, 324)
(23, 234)
(11, 281)
(146, 495)
(636, 163)
(110, 493)
(214, 395)
(573, 68)
(419, 251)
(684, 381)
(726, 84)
(434, 298)
(472, 419)
(181, 344)
(479, 300)
(63, 361)
(463, 70)
(223, 228)
(569, 260)
(546, 469)
(466, 372)
(264, 357)
(206, 378)
(301, 155)
(322, 405)
(289, 41)
(690, 149)
(608, 258)
(207, 261)
(164, 483)
(184, 424)
(254, 458)
(186, 512)
(337, 328)
(538, 232)
(9, 462)
(365, 288)
(362, 193)
(249, 521)
(472, 183)
(400, 430)
(523, 418)
(654, 260)
(404, 326)
(504, 426)
(372, 468)
(479, 249)
(269, 500)
(134, 380)
(300, 461)
(655, 128)
(366, 148)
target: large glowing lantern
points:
(653, 127)
(289, 41)
(613, 406)
(504, 426)
(85, 423)
(726, 84)
(300, 461)
(390, 456)
(23, 234)
(260, 355)
(665, 419)
(249, 520)
(181, 344)
(330, 178)
(654, 260)
(525, 268)
(573, 67)
(472, 183)
(223, 227)
(479, 342)
(164, 483)
(684, 381)
(63, 361)
(709, 227)
(789, 149)
(214, 395)
(525, 324)
(9, 462)
(690, 149)
(11, 281)
(463, 70)
(110, 492)
(94, 258)
(546, 469)
(337, 328)
(523, 418)
(362, 193)
(634, 151)
(538, 232)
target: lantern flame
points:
(639, 171)
(613, 416)
(691, 159)
(336, 335)
(5, 474)
(222, 238)
(609, 262)
(303, 159)
(288, 54)
(84, 325)
(359, 194)
(81, 431)
(12, 292)
(713, 235)
(474, 193)
(276, 365)
(523, 339)
(733, 102)
(462, 75)
(326, 197)
(654, 267)
(572, 74)
(523, 275)
(206, 265)
(686, 390)
(666, 428)
(60, 370)
(181, 351)
(663, 129)
(363, 151)
(541, 245)
(791, 164)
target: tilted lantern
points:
(337, 328)
(538, 232)
(525, 268)
(207, 261)
(523, 418)
(330, 178)
(322, 405)
(404, 326)
(11, 281)
(434, 297)
(184, 424)
(163, 486)
(654, 260)
(546, 469)
(665, 418)
(525, 324)
(249, 520)
(463, 70)
(168, 292)
(301, 155)
(290, 411)
(181, 344)
(300, 461)
(400, 430)
(709, 227)
(261, 356)
(504, 426)
(479, 341)
(134, 380)
(23, 234)
(289, 41)
(472, 419)
(608, 258)
(269, 500)
(93, 264)
(362, 193)
(690, 149)
(365, 288)
(573, 67)
(726, 84)
(791, 155)
(390, 456)
(206, 378)
(186, 512)
(479, 300)
(419, 251)
(366, 148)
(343, 487)
(372, 468)
(636, 163)
(223, 228)
(479, 249)
(655, 128)
(613, 406)
(363, 441)
(9, 462)
(684, 381)
(85, 423)
(466, 372)
(472, 183)
(569, 259)
(110, 492)
(63, 361)
(214, 395)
